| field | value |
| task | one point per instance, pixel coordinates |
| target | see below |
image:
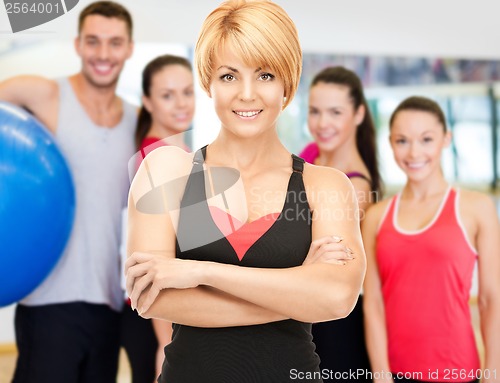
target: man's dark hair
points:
(107, 9)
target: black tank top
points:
(275, 352)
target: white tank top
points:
(89, 269)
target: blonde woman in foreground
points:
(251, 245)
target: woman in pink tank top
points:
(422, 246)
(341, 124)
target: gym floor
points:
(8, 354)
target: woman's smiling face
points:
(248, 99)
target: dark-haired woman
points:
(422, 246)
(167, 112)
(344, 138)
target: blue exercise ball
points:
(37, 203)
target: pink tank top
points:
(310, 153)
(426, 277)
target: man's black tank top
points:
(275, 352)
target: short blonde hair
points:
(261, 34)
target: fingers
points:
(136, 269)
(139, 286)
(316, 244)
(341, 251)
(136, 258)
(329, 249)
(334, 253)
(150, 298)
(134, 272)
(147, 274)
(337, 238)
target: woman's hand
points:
(329, 249)
(156, 272)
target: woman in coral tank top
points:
(421, 247)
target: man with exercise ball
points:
(67, 329)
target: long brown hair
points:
(365, 133)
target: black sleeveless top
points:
(275, 352)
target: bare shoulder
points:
(476, 204)
(325, 178)
(159, 184)
(170, 153)
(327, 188)
(366, 196)
(380, 207)
(28, 91)
(478, 199)
(375, 213)
(37, 94)
(41, 84)
(164, 164)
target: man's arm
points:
(37, 94)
